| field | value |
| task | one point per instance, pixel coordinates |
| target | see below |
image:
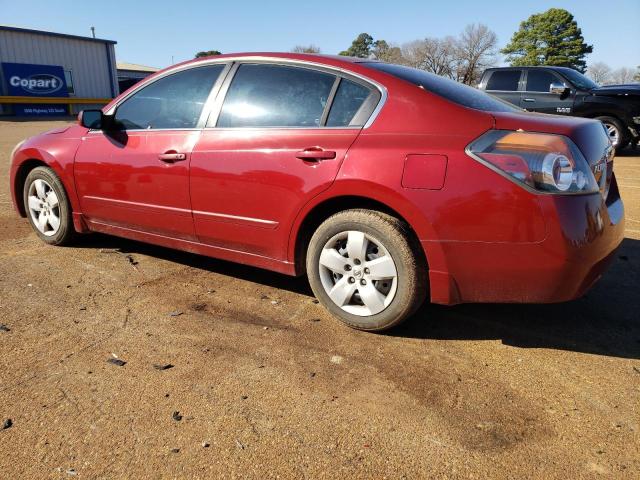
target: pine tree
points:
(549, 38)
(360, 47)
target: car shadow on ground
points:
(604, 322)
(257, 275)
(630, 151)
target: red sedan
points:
(384, 184)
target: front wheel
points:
(366, 269)
(48, 207)
(617, 133)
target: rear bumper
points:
(583, 233)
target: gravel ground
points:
(264, 384)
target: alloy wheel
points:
(44, 207)
(358, 273)
(612, 131)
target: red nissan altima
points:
(384, 184)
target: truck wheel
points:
(616, 130)
(365, 267)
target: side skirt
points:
(244, 258)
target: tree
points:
(208, 53)
(475, 50)
(386, 53)
(305, 49)
(549, 38)
(360, 47)
(434, 55)
(637, 75)
(599, 72)
(622, 75)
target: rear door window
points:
(352, 104)
(504, 80)
(540, 80)
(263, 95)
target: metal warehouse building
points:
(131, 73)
(45, 73)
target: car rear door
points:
(277, 139)
(537, 97)
(505, 84)
(137, 176)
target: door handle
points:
(528, 99)
(172, 156)
(315, 154)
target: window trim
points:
(73, 85)
(213, 103)
(212, 121)
(332, 95)
(203, 114)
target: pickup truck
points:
(564, 91)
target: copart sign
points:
(28, 80)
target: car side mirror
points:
(93, 119)
(558, 88)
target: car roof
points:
(309, 57)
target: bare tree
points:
(434, 55)
(622, 75)
(599, 72)
(306, 49)
(475, 50)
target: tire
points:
(49, 211)
(364, 248)
(615, 127)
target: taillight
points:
(544, 162)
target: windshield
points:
(579, 80)
(444, 87)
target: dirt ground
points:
(265, 384)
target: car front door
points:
(279, 138)
(538, 98)
(136, 175)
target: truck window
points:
(505, 80)
(540, 80)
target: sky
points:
(159, 33)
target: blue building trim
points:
(54, 34)
(110, 67)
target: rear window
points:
(504, 80)
(446, 88)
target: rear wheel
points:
(365, 268)
(616, 131)
(48, 207)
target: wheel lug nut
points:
(366, 270)
(363, 282)
(352, 280)
(347, 267)
(356, 261)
